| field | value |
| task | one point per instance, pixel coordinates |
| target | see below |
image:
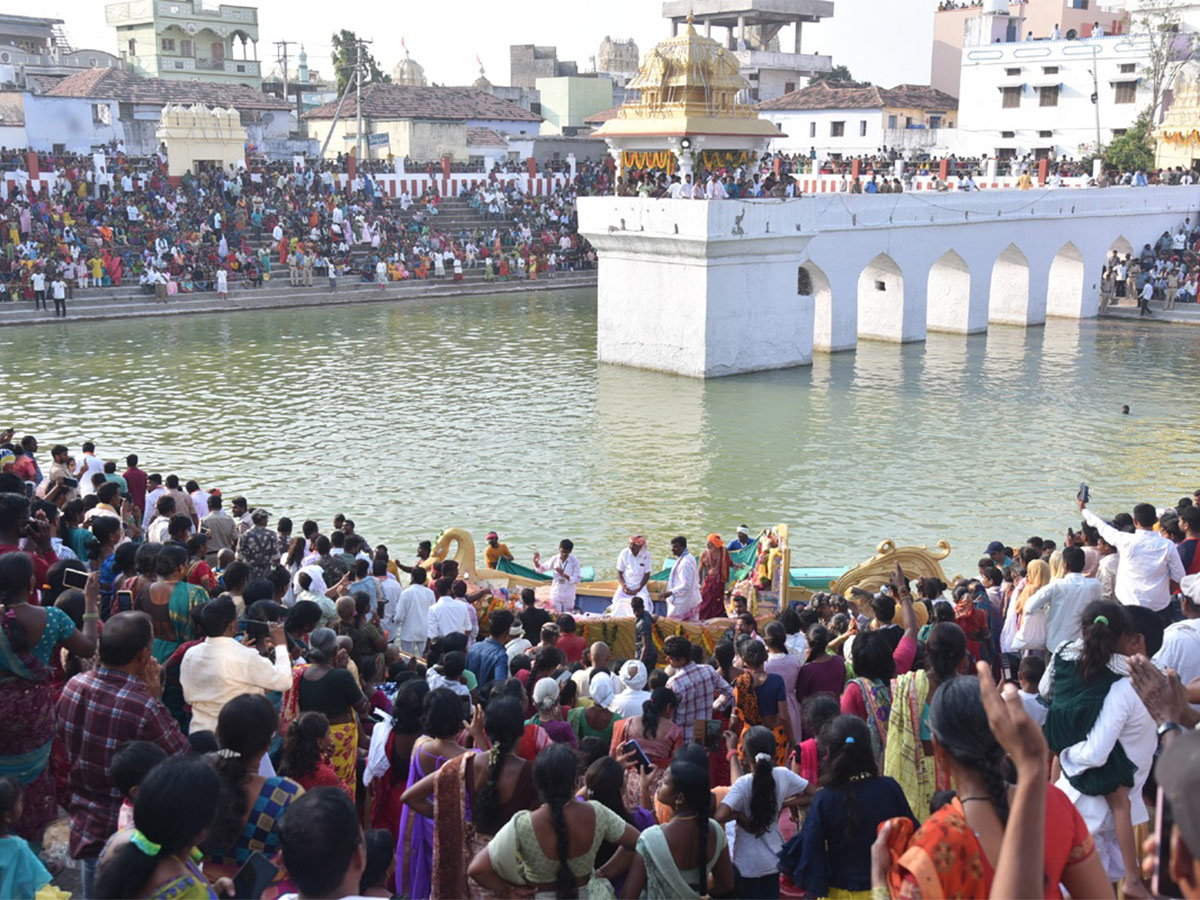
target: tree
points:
(1132, 151)
(1170, 47)
(837, 75)
(345, 57)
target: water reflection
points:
(491, 412)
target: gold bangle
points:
(91, 617)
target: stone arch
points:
(1009, 295)
(1121, 245)
(1064, 289)
(948, 293)
(881, 299)
(811, 281)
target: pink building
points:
(1011, 22)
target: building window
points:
(1010, 97)
(812, 129)
(789, 86)
(1118, 132)
(1045, 134)
(837, 129)
(132, 47)
(168, 45)
(892, 122)
(1128, 68)
(1048, 95)
(1012, 73)
(187, 47)
(935, 121)
(1049, 70)
(101, 114)
(862, 128)
(1008, 135)
(1126, 92)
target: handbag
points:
(1031, 631)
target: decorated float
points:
(769, 553)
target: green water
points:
(491, 412)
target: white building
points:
(840, 120)
(1035, 97)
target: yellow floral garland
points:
(649, 159)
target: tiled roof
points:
(484, 137)
(823, 95)
(401, 101)
(603, 116)
(117, 84)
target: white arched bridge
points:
(711, 288)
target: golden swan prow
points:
(917, 562)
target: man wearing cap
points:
(518, 643)
(495, 551)
(1181, 642)
(742, 541)
(259, 547)
(628, 702)
(995, 550)
(633, 574)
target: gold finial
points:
(691, 16)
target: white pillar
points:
(990, 168)
(684, 158)
(799, 31)
(898, 169)
(1097, 168)
(741, 35)
(675, 277)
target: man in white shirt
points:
(1181, 641)
(58, 290)
(448, 614)
(154, 490)
(1065, 599)
(683, 586)
(409, 623)
(38, 280)
(221, 668)
(89, 464)
(633, 574)
(1149, 562)
(565, 573)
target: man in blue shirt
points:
(488, 659)
(742, 541)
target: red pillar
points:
(854, 168)
(352, 166)
(531, 166)
(31, 164)
(446, 167)
(1043, 171)
(944, 169)
(778, 166)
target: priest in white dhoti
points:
(683, 587)
(633, 574)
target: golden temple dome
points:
(689, 75)
(689, 85)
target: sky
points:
(883, 41)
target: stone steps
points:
(137, 305)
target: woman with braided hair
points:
(953, 854)
(574, 830)
(473, 796)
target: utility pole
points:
(1096, 97)
(359, 46)
(281, 57)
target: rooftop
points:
(603, 116)
(117, 84)
(484, 137)
(824, 95)
(725, 13)
(397, 101)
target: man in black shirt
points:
(532, 617)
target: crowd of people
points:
(213, 699)
(125, 222)
(1168, 271)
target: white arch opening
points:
(1064, 290)
(881, 300)
(1008, 299)
(948, 294)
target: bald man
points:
(600, 654)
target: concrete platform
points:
(1182, 314)
(278, 296)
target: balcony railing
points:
(250, 68)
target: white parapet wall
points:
(701, 288)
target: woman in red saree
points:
(714, 577)
(954, 853)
